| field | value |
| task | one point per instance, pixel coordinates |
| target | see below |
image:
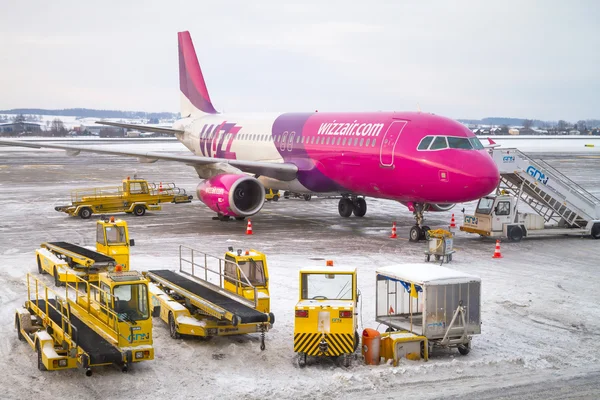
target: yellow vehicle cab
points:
(66, 261)
(87, 325)
(325, 323)
(214, 296)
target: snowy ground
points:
(540, 305)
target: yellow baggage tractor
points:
(65, 261)
(86, 325)
(213, 296)
(325, 323)
(134, 196)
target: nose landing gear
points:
(419, 231)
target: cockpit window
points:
(459, 143)
(476, 143)
(439, 143)
(425, 143)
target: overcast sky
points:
(462, 59)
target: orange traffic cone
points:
(497, 251)
(160, 188)
(452, 223)
(393, 235)
(249, 228)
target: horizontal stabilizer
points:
(145, 128)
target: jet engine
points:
(439, 207)
(232, 195)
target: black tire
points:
(359, 207)
(425, 232)
(57, 281)
(286, 195)
(427, 257)
(415, 234)
(41, 365)
(345, 207)
(172, 328)
(464, 349)
(85, 213)
(18, 326)
(596, 231)
(139, 210)
(302, 360)
(39, 263)
(346, 360)
(515, 234)
(307, 197)
(276, 198)
(240, 218)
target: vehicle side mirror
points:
(131, 242)
(496, 210)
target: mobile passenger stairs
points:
(562, 203)
(212, 296)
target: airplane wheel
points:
(240, 218)
(359, 207)
(425, 232)
(302, 360)
(345, 207)
(464, 349)
(276, 198)
(307, 197)
(415, 234)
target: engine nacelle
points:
(232, 195)
(439, 207)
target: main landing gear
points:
(353, 204)
(419, 231)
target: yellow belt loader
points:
(135, 196)
(67, 261)
(86, 325)
(325, 323)
(212, 296)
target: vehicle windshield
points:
(327, 286)
(131, 301)
(115, 234)
(485, 205)
(254, 271)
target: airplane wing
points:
(280, 171)
(141, 127)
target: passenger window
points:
(373, 144)
(312, 140)
(298, 139)
(439, 143)
(367, 143)
(355, 141)
(343, 141)
(327, 140)
(503, 208)
(361, 141)
(425, 142)
(459, 143)
(338, 141)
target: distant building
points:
(13, 128)
(513, 131)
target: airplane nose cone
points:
(487, 176)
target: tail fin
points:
(194, 95)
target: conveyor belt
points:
(247, 314)
(98, 348)
(95, 256)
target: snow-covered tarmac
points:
(540, 304)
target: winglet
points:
(194, 95)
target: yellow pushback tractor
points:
(135, 196)
(86, 325)
(67, 261)
(212, 296)
(325, 323)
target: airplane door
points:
(283, 141)
(388, 143)
(290, 145)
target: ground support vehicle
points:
(403, 344)
(440, 245)
(66, 261)
(562, 205)
(306, 196)
(134, 196)
(325, 323)
(213, 296)
(86, 325)
(497, 216)
(435, 302)
(271, 194)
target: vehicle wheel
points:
(464, 349)
(449, 257)
(596, 231)
(515, 234)
(286, 195)
(345, 207)
(39, 263)
(415, 234)
(423, 350)
(240, 218)
(302, 360)
(425, 232)
(57, 281)
(437, 258)
(85, 213)
(390, 329)
(172, 328)
(276, 197)
(18, 326)
(41, 365)
(427, 257)
(307, 197)
(346, 360)
(359, 207)
(139, 210)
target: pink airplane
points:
(424, 161)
